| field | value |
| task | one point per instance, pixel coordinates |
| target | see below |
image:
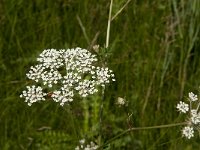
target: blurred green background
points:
(154, 46)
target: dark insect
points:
(49, 94)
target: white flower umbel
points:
(64, 73)
(86, 146)
(63, 95)
(51, 58)
(86, 87)
(182, 107)
(188, 132)
(193, 97)
(195, 117)
(103, 75)
(79, 59)
(33, 94)
(193, 114)
(35, 72)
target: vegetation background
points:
(154, 47)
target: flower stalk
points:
(142, 128)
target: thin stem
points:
(198, 106)
(120, 10)
(103, 88)
(108, 27)
(149, 90)
(143, 128)
(68, 110)
(101, 115)
(83, 29)
(94, 40)
(15, 82)
(86, 115)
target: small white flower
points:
(33, 94)
(86, 87)
(193, 114)
(77, 148)
(103, 75)
(86, 146)
(63, 95)
(193, 97)
(82, 141)
(121, 101)
(195, 117)
(35, 72)
(188, 132)
(182, 107)
(51, 58)
(96, 48)
(50, 77)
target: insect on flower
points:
(49, 94)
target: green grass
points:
(155, 57)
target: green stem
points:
(86, 116)
(119, 11)
(142, 128)
(109, 22)
(68, 110)
(101, 115)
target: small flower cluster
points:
(194, 115)
(64, 73)
(84, 146)
(121, 102)
(33, 94)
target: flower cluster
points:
(84, 146)
(63, 73)
(194, 115)
(121, 102)
(33, 94)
